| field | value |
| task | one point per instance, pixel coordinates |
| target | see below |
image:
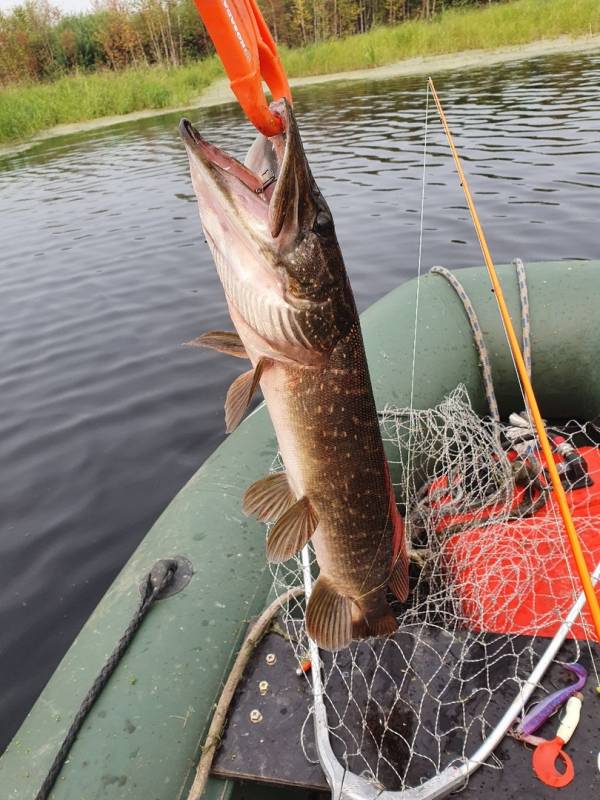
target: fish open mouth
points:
(216, 159)
(274, 180)
(221, 177)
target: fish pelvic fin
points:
(240, 394)
(269, 498)
(398, 580)
(292, 531)
(226, 342)
(378, 622)
(329, 616)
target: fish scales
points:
(296, 322)
(341, 459)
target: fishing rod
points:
(559, 492)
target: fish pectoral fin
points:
(329, 616)
(269, 498)
(398, 580)
(292, 531)
(226, 342)
(240, 394)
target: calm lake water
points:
(104, 272)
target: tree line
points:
(38, 42)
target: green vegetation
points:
(38, 42)
(28, 109)
(452, 31)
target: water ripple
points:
(104, 273)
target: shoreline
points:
(219, 92)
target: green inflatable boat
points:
(144, 734)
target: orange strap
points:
(544, 760)
(249, 55)
(559, 492)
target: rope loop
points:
(158, 579)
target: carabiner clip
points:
(544, 761)
(249, 55)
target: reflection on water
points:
(103, 273)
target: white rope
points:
(525, 320)
(478, 338)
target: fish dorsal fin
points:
(240, 394)
(269, 498)
(226, 342)
(398, 580)
(329, 616)
(292, 531)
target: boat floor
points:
(274, 749)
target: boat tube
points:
(142, 738)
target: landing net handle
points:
(249, 55)
(559, 492)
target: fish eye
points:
(323, 224)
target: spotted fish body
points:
(296, 321)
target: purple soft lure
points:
(542, 711)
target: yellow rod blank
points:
(557, 486)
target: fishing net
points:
(490, 577)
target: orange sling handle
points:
(249, 55)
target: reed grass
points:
(452, 31)
(26, 110)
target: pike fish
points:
(273, 241)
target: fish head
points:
(300, 221)
(273, 240)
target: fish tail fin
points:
(379, 621)
(398, 580)
(329, 616)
